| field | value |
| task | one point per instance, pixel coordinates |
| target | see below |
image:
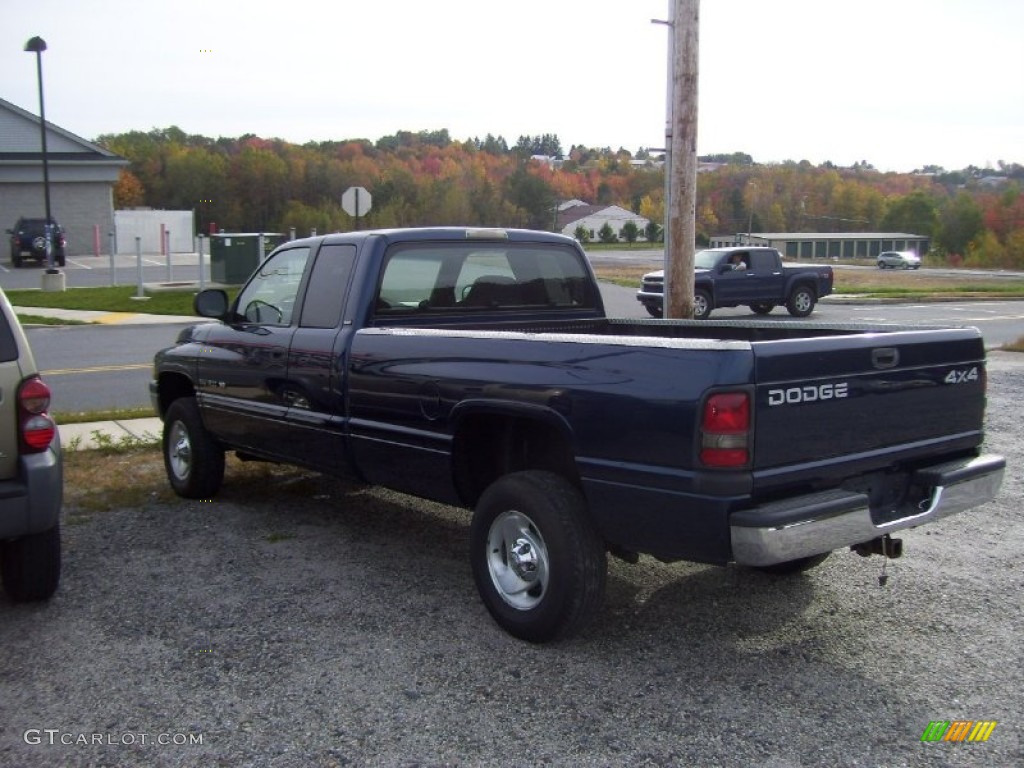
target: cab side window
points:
(269, 297)
(328, 286)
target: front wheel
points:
(31, 565)
(654, 310)
(801, 301)
(538, 562)
(194, 460)
(701, 305)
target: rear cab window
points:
(455, 278)
(763, 261)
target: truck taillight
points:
(37, 428)
(725, 430)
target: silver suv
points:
(31, 471)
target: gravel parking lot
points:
(318, 624)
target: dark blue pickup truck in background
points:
(477, 368)
(744, 276)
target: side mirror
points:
(723, 268)
(213, 302)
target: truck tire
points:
(654, 311)
(801, 301)
(538, 562)
(701, 304)
(762, 308)
(31, 565)
(193, 459)
(791, 567)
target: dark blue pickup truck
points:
(744, 276)
(477, 368)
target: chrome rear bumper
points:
(821, 522)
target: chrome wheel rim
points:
(700, 306)
(802, 301)
(179, 451)
(517, 559)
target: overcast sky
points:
(898, 83)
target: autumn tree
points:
(128, 191)
(533, 196)
(426, 177)
(959, 223)
(916, 213)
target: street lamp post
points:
(37, 45)
(752, 186)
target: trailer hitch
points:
(886, 546)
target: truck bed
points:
(816, 387)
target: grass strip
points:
(106, 299)
(114, 414)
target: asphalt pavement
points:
(97, 434)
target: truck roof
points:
(413, 234)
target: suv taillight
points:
(725, 430)
(37, 428)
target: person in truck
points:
(737, 261)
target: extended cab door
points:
(318, 362)
(243, 369)
(767, 279)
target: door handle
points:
(885, 357)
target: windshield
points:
(707, 259)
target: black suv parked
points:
(28, 241)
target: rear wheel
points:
(801, 301)
(193, 459)
(31, 565)
(761, 308)
(538, 562)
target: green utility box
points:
(235, 255)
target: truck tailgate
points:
(829, 408)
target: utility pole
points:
(681, 206)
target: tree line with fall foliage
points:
(972, 216)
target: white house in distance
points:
(575, 213)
